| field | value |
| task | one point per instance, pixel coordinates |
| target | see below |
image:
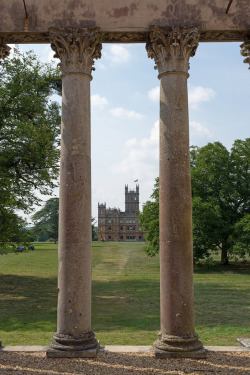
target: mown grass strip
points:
(126, 299)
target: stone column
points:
(77, 50)
(171, 52)
(4, 52)
(245, 51)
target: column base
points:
(73, 346)
(169, 346)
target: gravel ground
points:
(108, 363)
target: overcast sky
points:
(125, 112)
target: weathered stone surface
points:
(123, 15)
(162, 354)
(245, 51)
(4, 50)
(76, 50)
(171, 53)
(244, 342)
(88, 353)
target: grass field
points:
(125, 297)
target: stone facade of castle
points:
(115, 225)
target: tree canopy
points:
(221, 202)
(46, 221)
(29, 132)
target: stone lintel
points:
(126, 36)
(162, 354)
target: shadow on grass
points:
(29, 303)
(237, 268)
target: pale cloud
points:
(141, 156)
(154, 94)
(199, 94)
(123, 113)
(98, 101)
(196, 95)
(199, 133)
(117, 53)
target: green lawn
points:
(125, 297)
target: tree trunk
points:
(224, 257)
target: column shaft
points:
(176, 274)
(171, 52)
(74, 279)
(74, 338)
(4, 52)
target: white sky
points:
(125, 112)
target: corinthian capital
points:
(76, 49)
(4, 50)
(172, 50)
(245, 51)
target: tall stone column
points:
(245, 51)
(171, 52)
(4, 52)
(77, 50)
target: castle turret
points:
(131, 199)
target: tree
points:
(149, 219)
(46, 220)
(29, 131)
(221, 202)
(94, 230)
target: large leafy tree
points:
(46, 220)
(149, 219)
(29, 131)
(221, 202)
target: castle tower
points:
(131, 199)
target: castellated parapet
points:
(115, 225)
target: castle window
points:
(121, 221)
(133, 220)
(127, 221)
(135, 198)
(101, 212)
(121, 237)
(121, 228)
(109, 221)
(131, 228)
(127, 237)
(127, 228)
(109, 228)
(109, 237)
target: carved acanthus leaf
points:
(172, 50)
(4, 50)
(76, 49)
(245, 51)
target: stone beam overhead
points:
(123, 20)
(4, 50)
